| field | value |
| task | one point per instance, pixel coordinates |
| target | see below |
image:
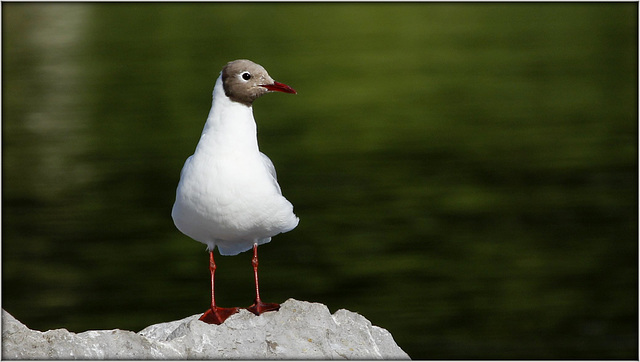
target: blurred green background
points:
(465, 174)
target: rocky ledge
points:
(299, 330)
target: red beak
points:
(279, 87)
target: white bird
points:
(228, 195)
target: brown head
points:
(245, 81)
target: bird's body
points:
(228, 195)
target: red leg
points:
(259, 307)
(215, 315)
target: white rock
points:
(299, 330)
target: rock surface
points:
(299, 330)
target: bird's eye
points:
(246, 75)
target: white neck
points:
(230, 125)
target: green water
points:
(465, 174)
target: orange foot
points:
(218, 315)
(258, 307)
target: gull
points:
(228, 195)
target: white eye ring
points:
(246, 75)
